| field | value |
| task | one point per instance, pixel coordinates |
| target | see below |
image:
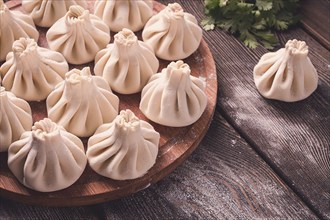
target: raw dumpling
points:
(46, 12)
(78, 35)
(287, 74)
(32, 72)
(174, 97)
(119, 14)
(48, 158)
(124, 149)
(127, 64)
(13, 25)
(15, 118)
(172, 33)
(82, 102)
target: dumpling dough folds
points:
(78, 35)
(82, 102)
(127, 64)
(15, 118)
(32, 72)
(124, 149)
(14, 25)
(172, 33)
(119, 14)
(287, 74)
(174, 97)
(45, 12)
(48, 158)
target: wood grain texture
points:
(294, 138)
(176, 144)
(315, 17)
(223, 179)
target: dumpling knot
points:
(126, 37)
(75, 75)
(175, 10)
(24, 46)
(127, 120)
(77, 13)
(45, 128)
(296, 47)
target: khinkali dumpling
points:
(13, 25)
(48, 158)
(32, 72)
(82, 102)
(119, 14)
(78, 35)
(172, 33)
(15, 118)
(174, 97)
(127, 64)
(46, 12)
(124, 149)
(287, 74)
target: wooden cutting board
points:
(176, 144)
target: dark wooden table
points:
(259, 159)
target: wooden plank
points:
(223, 178)
(293, 138)
(316, 19)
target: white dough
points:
(15, 118)
(78, 35)
(82, 102)
(46, 12)
(172, 33)
(124, 149)
(127, 64)
(48, 158)
(119, 14)
(173, 97)
(14, 25)
(32, 72)
(287, 74)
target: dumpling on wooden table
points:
(32, 72)
(48, 158)
(173, 97)
(173, 33)
(124, 149)
(287, 74)
(82, 102)
(127, 64)
(78, 35)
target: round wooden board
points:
(176, 144)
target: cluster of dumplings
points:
(49, 154)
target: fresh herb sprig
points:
(253, 21)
